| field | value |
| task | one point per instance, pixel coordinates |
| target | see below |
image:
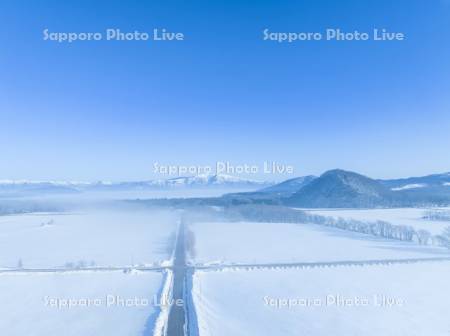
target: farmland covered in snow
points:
(71, 240)
(391, 300)
(101, 303)
(247, 242)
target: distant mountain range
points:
(424, 182)
(14, 187)
(334, 189)
(344, 189)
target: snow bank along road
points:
(81, 269)
(249, 267)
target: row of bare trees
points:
(272, 213)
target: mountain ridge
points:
(198, 181)
(339, 188)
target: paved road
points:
(176, 324)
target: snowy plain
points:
(413, 217)
(102, 238)
(248, 242)
(391, 300)
(35, 304)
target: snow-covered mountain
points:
(341, 189)
(429, 181)
(212, 180)
(11, 187)
(338, 188)
(14, 187)
(344, 189)
(199, 181)
(290, 186)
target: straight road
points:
(176, 324)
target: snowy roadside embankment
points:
(165, 297)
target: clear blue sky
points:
(108, 110)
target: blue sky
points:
(109, 110)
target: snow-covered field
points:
(113, 238)
(228, 302)
(37, 304)
(246, 242)
(244, 302)
(400, 216)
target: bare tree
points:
(423, 237)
